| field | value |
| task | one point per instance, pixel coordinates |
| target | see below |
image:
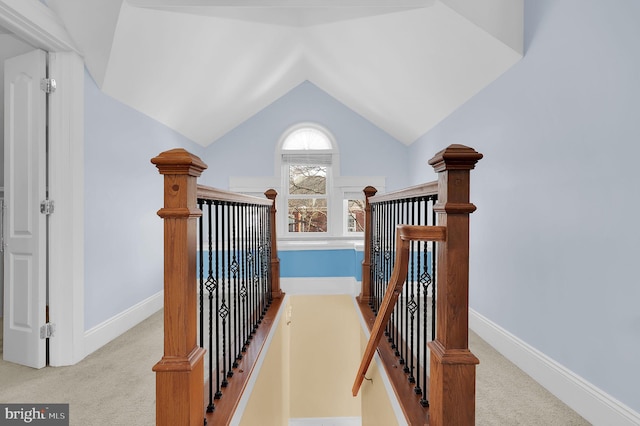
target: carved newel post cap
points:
(369, 191)
(271, 194)
(455, 157)
(179, 162)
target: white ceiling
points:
(202, 67)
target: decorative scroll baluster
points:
(243, 285)
(422, 249)
(235, 268)
(237, 234)
(376, 269)
(411, 304)
(223, 311)
(408, 329)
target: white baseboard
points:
(326, 421)
(596, 406)
(105, 332)
(320, 286)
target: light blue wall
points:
(123, 192)
(554, 241)
(249, 149)
(365, 150)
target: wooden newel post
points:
(276, 292)
(180, 374)
(453, 366)
(365, 292)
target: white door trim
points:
(38, 25)
(66, 223)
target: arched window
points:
(307, 156)
(314, 202)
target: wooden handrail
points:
(211, 193)
(404, 235)
(421, 190)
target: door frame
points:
(37, 25)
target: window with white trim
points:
(307, 154)
(314, 202)
(353, 212)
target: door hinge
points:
(46, 207)
(48, 85)
(47, 330)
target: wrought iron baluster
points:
(412, 323)
(213, 313)
(234, 270)
(377, 248)
(229, 291)
(254, 276)
(255, 267)
(223, 311)
(411, 303)
(422, 248)
(243, 275)
(403, 343)
(392, 233)
(211, 285)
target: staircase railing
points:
(221, 283)
(451, 366)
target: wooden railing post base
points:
(180, 372)
(453, 366)
(453, 370)
(179, 389)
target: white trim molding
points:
(320, 286)
(66, 226)
(596, 406)
(37, 25)
(105, 332)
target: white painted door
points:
(25, 181)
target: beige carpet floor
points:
(115, 386)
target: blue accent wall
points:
(302, 263)
(321, 263)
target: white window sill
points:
(324, 243)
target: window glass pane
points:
(307, 179)
(307, 138)
(307, 215)
(355, 216)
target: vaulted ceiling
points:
(202, 67)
